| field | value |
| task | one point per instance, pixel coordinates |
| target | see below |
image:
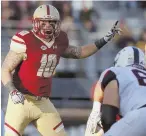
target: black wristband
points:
(100, 43)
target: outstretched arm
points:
(79, 52)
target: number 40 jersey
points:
(34, 74)
(132, 86)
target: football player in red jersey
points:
(34, 56)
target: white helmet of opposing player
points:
(46, 13)
(128, 56)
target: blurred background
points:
(83, 21)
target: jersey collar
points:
(48, 44)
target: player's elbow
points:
(108, 117)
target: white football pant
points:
(133, 124)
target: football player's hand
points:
(114, 30)
(94, 122)
(17, 97)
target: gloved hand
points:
(93, 122)
(17, 97)
(114, 30)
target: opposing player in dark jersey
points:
(122, 91)
(34, 56)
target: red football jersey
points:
(35, 73)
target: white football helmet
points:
(128, 56)
(48, 13)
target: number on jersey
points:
(48, 65)
(141, 76)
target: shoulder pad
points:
(17, 44)
(107, 76)
(23, 33)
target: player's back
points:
(132, 87)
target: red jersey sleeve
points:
(63, 41)
(18, 44)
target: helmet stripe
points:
(136, 55)
(48, 10)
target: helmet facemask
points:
(47, 33)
